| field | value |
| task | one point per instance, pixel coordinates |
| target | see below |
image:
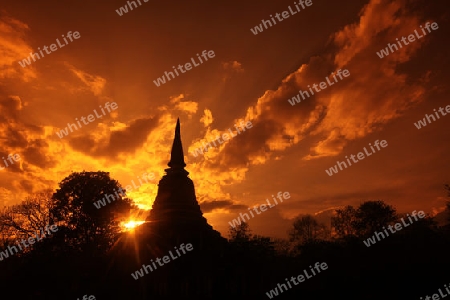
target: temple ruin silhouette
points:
(176, 212)
(175, 218)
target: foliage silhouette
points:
(84, 227)
(369, 217)
(343, 222)
(415, 256)
(240, 233)
(242, 239)
(372, 216)
(307, 230)
(24, 219)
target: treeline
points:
(348, 224)
(77, 258)
(410, 263)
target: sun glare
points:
(130, 225)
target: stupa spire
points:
(176, 156)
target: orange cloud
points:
(233, 65)
(374, 94)
(94, 83)
(13, 48)
(207, 118)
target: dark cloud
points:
(133, 136)
(127, 140)
(11, 132)
(209, 206)
(315, 204)
(270, 223)
(27, 185)
(14, 138)
(251, 142)
(6, 163)
(10, 106)
(36, 154)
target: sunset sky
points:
(250, 78)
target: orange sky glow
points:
(251, 77)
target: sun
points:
(130, 225)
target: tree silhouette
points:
(371, 216)
(242, 239)
(343, 222)
(239, 233)
(24, 219)
(84, 227)
(307, 230)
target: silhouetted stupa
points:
(210, 271)
(175, 219)
(176, 211)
